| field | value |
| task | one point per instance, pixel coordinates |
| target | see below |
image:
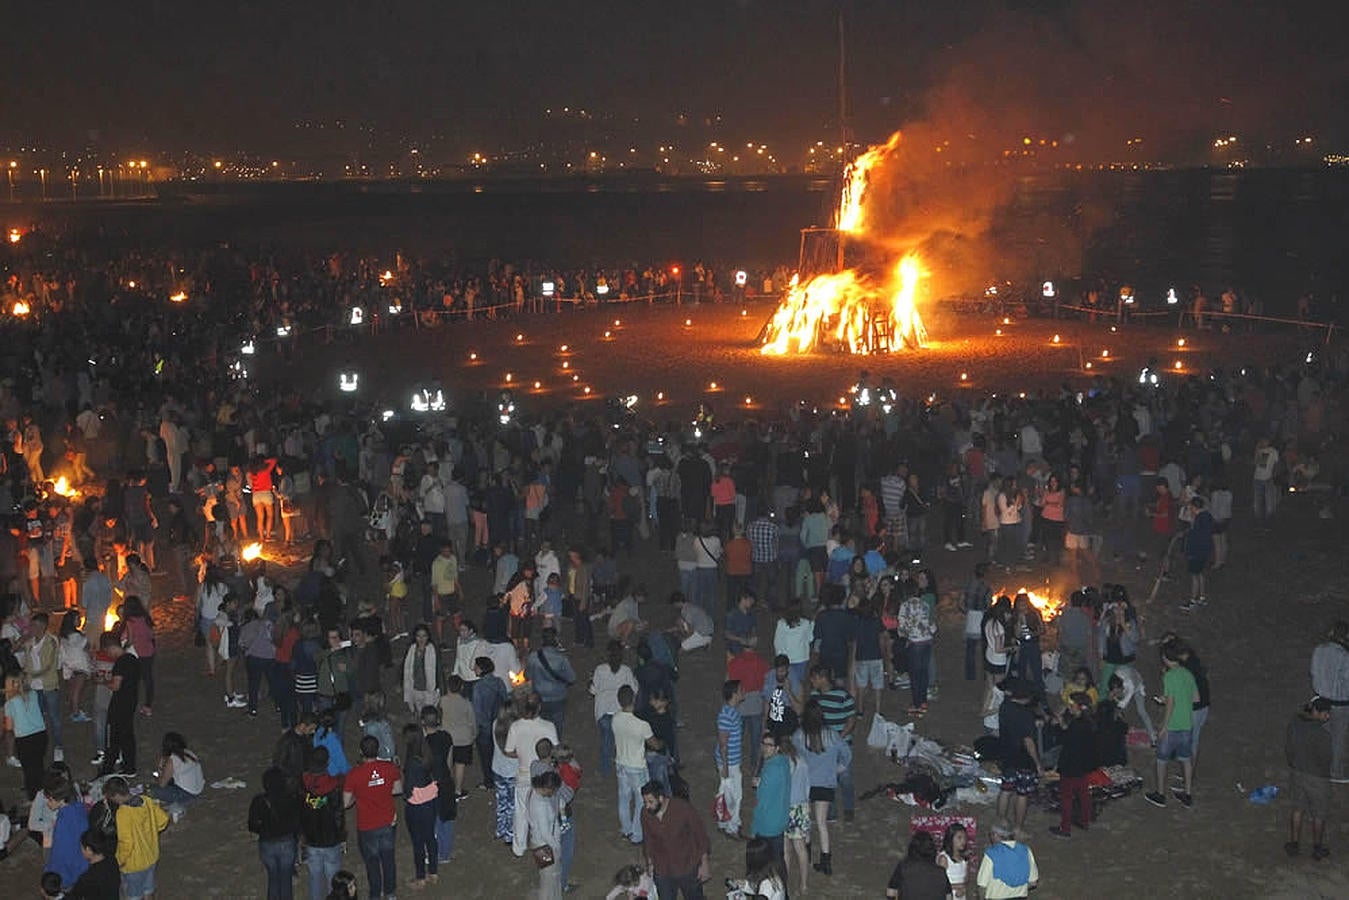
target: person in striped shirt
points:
(840, 715)
(728, 754)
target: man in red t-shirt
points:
(750, 669)
(371, 787)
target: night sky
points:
(241, 74)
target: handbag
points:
(721, 809)
(543, 856)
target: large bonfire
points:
(850, 309)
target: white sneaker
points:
(58, 755)
(13, 762)
(964, 545)
(950, 546)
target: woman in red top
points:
(264, 500)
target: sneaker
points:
(80, 716)
(98, 759)
(13, 762)
(1202, 601)
(964, 545)
(950, 546)
(1057, 831)
(236, 703)
(1186, 800)
(146, 711)
(176, 813)
(1155, 799)
(461, 796)
(58, 755)
(1187, 606)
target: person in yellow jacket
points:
(139, 822)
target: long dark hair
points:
(414, 744)
(762, 863)
(134, 608)
(812, 726)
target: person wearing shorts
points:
(1180, 692)
(1307, 747)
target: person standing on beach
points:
(1307, 748)
(1330, 679)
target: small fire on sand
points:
(852, 309)
(1049, 606)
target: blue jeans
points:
(505, 805)
(606, 726)
(376, 848)
(753, 735)
(1029, 663)
(1265, 498)
(972, 657)
(568, 849)
(658, 766)
(171, 793)
(688, 886)
(555, 711)
(445, 838)
(920, 670)
(421, 819)
(51, 711)
(707, 588)
(630, 781)
(688, 584)
(323, 863)
(278, 860)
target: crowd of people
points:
(463, 571)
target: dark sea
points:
(1272, 233)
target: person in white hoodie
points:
(421, 670)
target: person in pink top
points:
(1052, 502)
(139, 632)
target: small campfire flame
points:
(251, 552)
(21, 308)
(111, 619)
(854, 311)
(178, 297)
(1048, 606)
(517, 678)
(62, 486)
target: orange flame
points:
(851, 209)
(1048, 606)
(251, 552)
(111, 619)
(517, 678)
(21, 308)
(843, 307)
(62, 486)
(849, 308)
